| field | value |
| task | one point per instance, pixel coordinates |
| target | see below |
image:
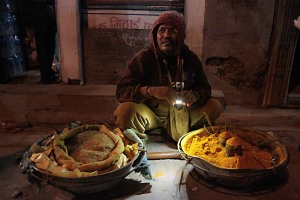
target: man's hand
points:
(297, 22)
(188, 97)
(163, 92)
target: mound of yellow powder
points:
(209, 149)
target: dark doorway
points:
(282, 81)
(294, 83)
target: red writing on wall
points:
(119, 23)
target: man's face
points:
(167, 39)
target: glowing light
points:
(178, 102)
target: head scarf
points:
(174, 19)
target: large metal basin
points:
(82, 185)
(238, 178)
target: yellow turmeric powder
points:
(210, 149)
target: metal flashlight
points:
(178, 104)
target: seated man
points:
(159, 75)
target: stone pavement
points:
(173, 178)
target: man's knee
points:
(216, 105)
(126, 109)
(214, 108)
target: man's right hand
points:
(163, 92)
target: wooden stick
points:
(164, 155)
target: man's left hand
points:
(188, 97)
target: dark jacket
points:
(146, 70)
